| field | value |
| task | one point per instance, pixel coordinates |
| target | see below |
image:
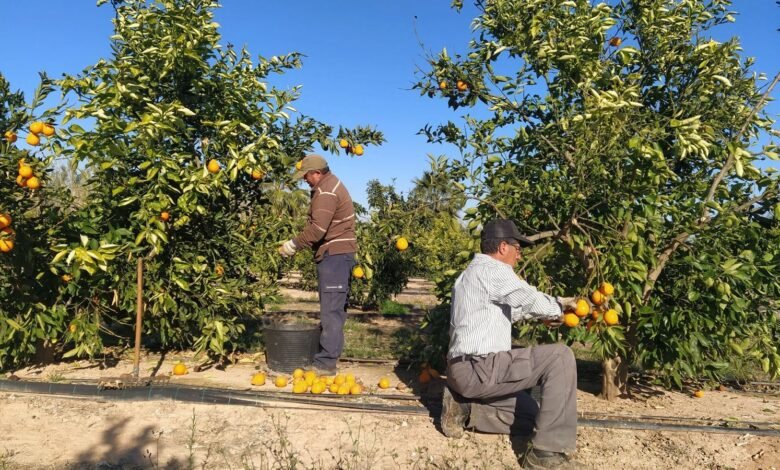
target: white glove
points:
(567, 303)
(287, 249)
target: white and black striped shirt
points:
(486, 299)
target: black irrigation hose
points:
(229, 397)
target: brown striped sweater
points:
(331, 223)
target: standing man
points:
(330, 233)
(486, 378)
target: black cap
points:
(503, 228)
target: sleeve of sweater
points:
(323, 206)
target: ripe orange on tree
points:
(33, 139)
(25, 171)
(34, 183)
(358, 150)
(72, 328)
(10, 136)
(402, 244)
(597, 297)
(36, 127)
(582, 308)
(22, 182)
(299, 165)
(257, 174)
(213, 166)
(48, 130)
(443, 85)
(66, 278)
(164, 216)
(357, 272)
(6, 245)
(343, 143)
(615, 42)
(571, 320)
(462, 86)
(606, 288)
(611, 317)
(179, 369)
(5, 220)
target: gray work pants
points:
(333, 273)
(495, 387)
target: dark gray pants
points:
(333, 273)
(495, 386)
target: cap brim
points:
(298, 174)
(525, 242)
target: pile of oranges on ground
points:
(7, 233)
(307, 381)
(598, 311)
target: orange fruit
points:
(10, 136)
(21, 181)
(339, 379)
(402, 244)
(280, 381)
(615, 42)
(33, 183)
(596, 315)
(258, 379)
(607, 288)
(48, 130)
(6, 245)
(358, 150)
(328, 381)
(165, 216)
(179, 369)
(66, 278)
(384, 382)
(309, 377)
(443, 85)
(300, 387)
(424, 377)
(5, 220)
(318, 388)
(597, 297)
(36, 127)
(349, 379)
(611, 317)
(698, 393)
(257, 174)
(72, 328)
(355, 389)
(357, 272)
(299, 165)
(213, 166)
(219, 270)
(343, 143)
(33, 139)
(298, 373)
(462, 86)
(333, 388)
(582, 308)
(571, 320)
(343, 389)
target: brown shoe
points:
(454, 413)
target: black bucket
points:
(290, 346)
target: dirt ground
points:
(56, 432)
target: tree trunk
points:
(614, 378)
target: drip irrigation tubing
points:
(337, 403)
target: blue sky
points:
(360, 64)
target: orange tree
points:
(31, 217)
(629, 142)
(399, 236)
(187, 146)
